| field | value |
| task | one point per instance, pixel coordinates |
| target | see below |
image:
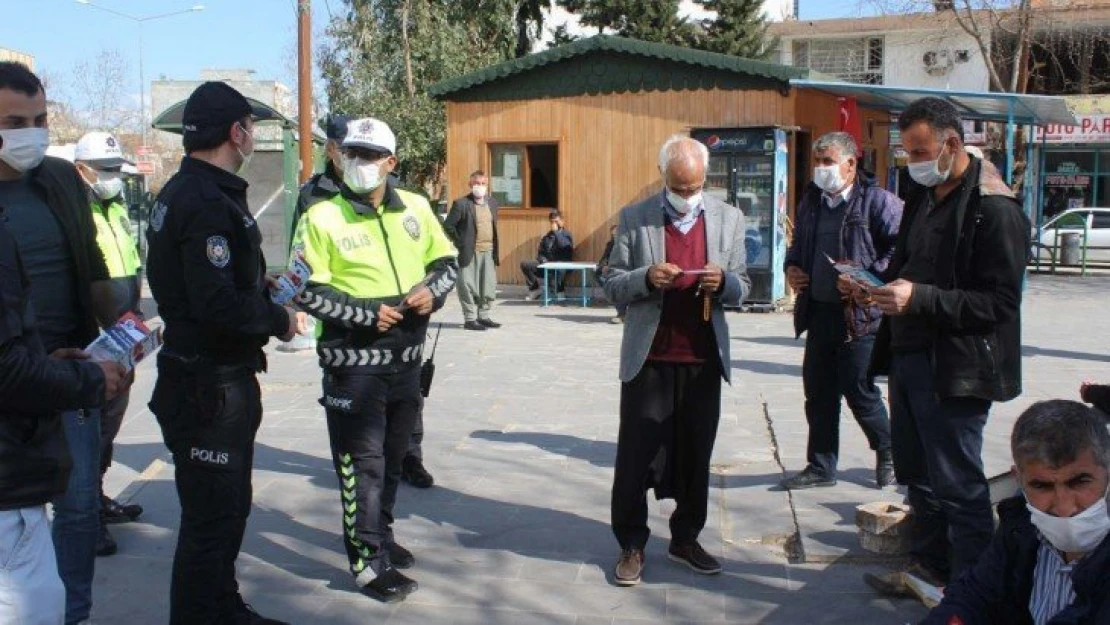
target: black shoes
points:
(112, 511)
(884, 468)
(489, 323)
(413, 472)
(390, 586)
(695, 557)
(474, 325)
(808, 478)
(244, 614)
(105, 544)
(400, 557)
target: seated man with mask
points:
(1049, 562)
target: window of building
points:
(525, 175)
(857, 60)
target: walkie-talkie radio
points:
(428, 369)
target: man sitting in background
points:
(555, 246)
(1049, 562)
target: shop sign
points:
(1067, 180)
(1091, 129)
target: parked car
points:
(1050, 234)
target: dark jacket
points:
(322, 186)
(996, 591)
(556, 246)
(867, 237)
(34, 458)
(1098, 395)
(206, 268)
(462, 228)
(975, 304)
(65, 192)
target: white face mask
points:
(828, 178)
(928, 174)
(24, 148)
(681, 204)
(478, 191)
(1077, 534)
(360, 175)
(245, 156)
(108, 185)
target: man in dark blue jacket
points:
(35, 461)
(1049, 562)
(557, 245)
(842, 216)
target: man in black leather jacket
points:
(34, 459)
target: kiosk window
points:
(525, 175)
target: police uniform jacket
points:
(362, 257)
(34, 458)
(206, 269)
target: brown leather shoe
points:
(630, 567)
(695, 557)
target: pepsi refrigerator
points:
(748, 169)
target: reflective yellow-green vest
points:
(375, 254)
(113, 235)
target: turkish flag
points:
(849, 120)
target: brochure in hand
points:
(127, 342)
(290, 284)
(858, 274)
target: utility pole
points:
(304, 86)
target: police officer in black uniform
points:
(207, 274)
(326, 184)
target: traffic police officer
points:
(207, 274)
(99, 160)
(381, 264)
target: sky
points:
(246, 34)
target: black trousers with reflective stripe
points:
(209, 420)
(370, 422)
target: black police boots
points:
(113, 511)
(413, 472)
(390, 586)
(244, 614)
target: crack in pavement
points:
(793, 547)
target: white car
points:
(1050, 234)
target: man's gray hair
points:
(678, 147)
(842, 142)
(1057, 431)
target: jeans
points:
(834, 367)
(209, 417)
(31, 593)
(370, 420)
(937, 444)
(533, 274)
(77, 513)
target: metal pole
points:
(304, 87)
(1010, 142)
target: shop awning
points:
(1016, 108)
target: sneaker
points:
(693, 556)
(533, 294)
(489, 323)
(474, 325)
(400, 557)
(112, 511)
(630, 567)
(413, 472)
(244, 614)
(808, 478)
(390, 586)
(884, 468)
(105, 544)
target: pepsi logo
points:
(712, 141)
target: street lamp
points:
(139, 20)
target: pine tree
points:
(647, 20)
(739, 29)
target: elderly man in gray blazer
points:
(677, 262)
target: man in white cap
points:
(381, 265)
(99, 159)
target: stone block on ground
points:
(884, 527)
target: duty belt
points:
(330, 357)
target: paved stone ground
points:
(521, 438)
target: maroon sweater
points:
(683, 336)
